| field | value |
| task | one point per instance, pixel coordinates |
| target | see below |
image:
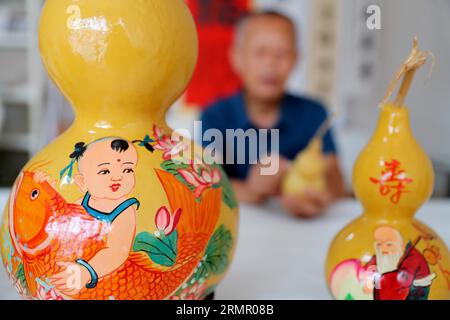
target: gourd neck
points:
(389, 213)
(394, 122)
(120, 117)
(393, 177)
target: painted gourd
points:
(115, 208)
(386, 254)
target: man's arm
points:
(245, 194)
(257, 188)
(334, 177)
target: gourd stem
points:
(415, 60)
(404, 89)
(324, 127)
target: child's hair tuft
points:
(120, 145)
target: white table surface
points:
(279, 257)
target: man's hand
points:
(245, 194)
(258, 188)
(267, 185)
(309, 205)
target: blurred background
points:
(343, 63)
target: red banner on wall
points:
(213, 77)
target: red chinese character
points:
(393, 181)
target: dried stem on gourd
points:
(407, 71)
(324, 127)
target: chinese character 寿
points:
(393, 181)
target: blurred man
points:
(263, 55)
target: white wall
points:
(429, 100)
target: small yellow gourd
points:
(307, 172)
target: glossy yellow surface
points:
(393, 202)
(307, 172)
(121, 64)
(120, 59)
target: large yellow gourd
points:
(307, 171)
(106, 206)
(386, 253)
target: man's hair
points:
(243, 22)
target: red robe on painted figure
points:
(410, 281)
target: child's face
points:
(266, 57)
(106, 173)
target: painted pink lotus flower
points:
(166, 222)
(171, 147)
(201, 177)
(45, 294)
(195, 292)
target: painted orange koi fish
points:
(47, 230)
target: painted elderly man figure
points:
(401, 272)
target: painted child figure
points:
(106, 178)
